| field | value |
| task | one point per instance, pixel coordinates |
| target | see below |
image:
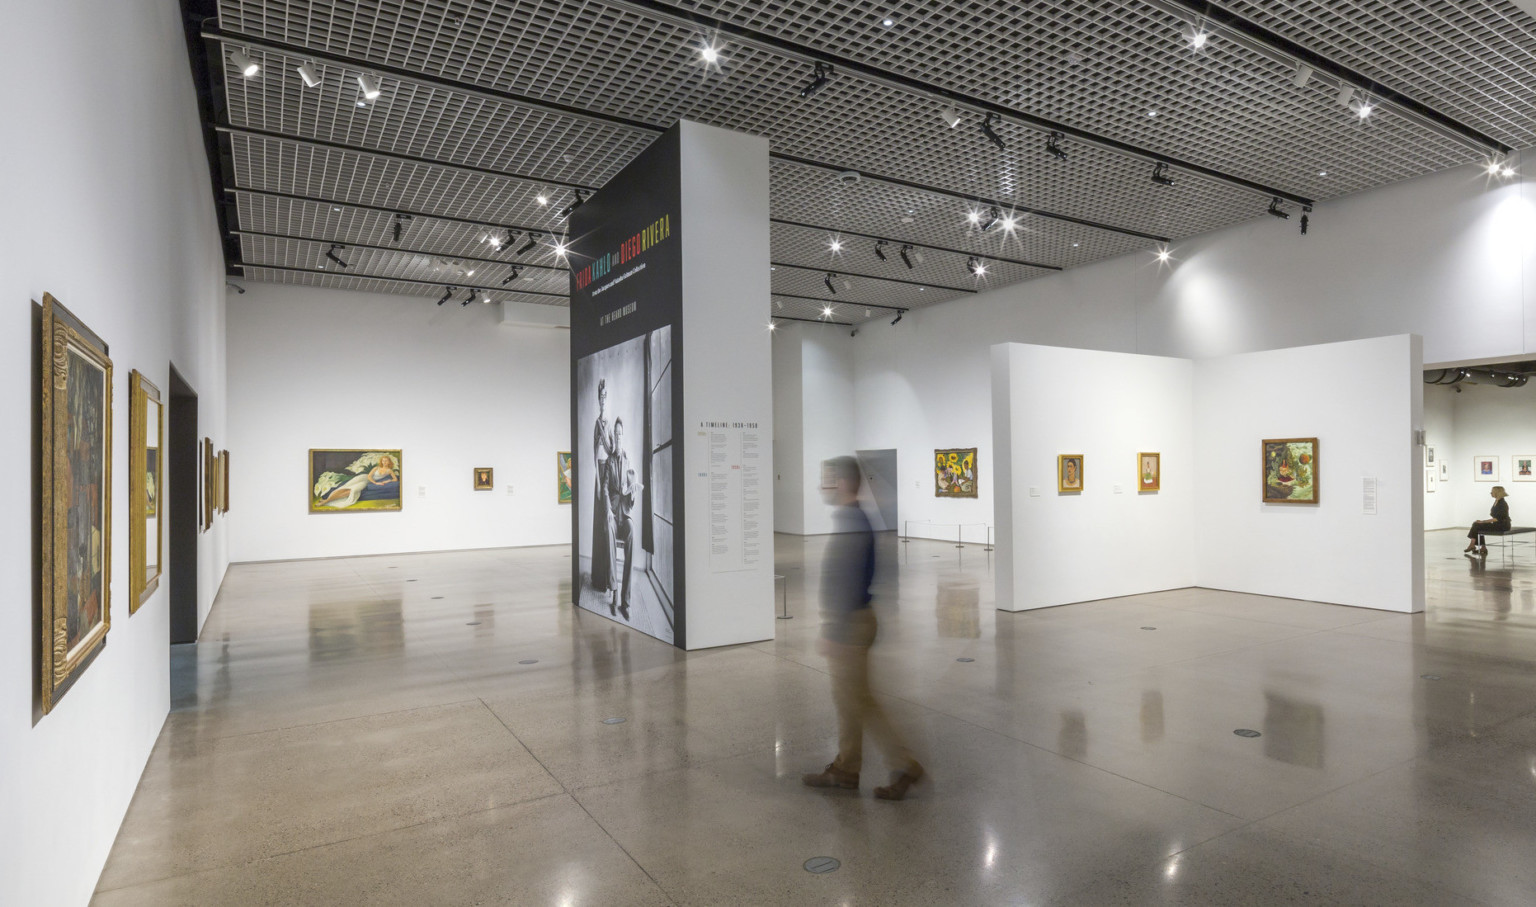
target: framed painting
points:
(1485, 469)
(75, 546)
(1289, 470)
(1069, 473)
(354, 481)
(484, 478)
(1149, 471)
(1445, 471)
(210, 483)
(1523, 468)
(954, 473)
(1429, 456)
(224, 481)
(563, 489)
(1429, 479)
(145, 437)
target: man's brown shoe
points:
(832, 776)
(901, 782)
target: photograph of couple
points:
(623, 483)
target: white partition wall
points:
(1109, 539)
(1362, 400)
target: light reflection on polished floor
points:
(365, 731)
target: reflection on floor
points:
(430, 729)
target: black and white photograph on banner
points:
(624, 482)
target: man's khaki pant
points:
(857, 710)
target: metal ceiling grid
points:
(346, 224)
(938, 269)
(1475, 61)
(375, 285)
(798, 309)
(855, 290)
(397, 265)
(1102, 65)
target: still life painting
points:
(76, 499)
(1069, 473)
(1149, 471)
(354, 481)
(563, 476)
(954, 473)
(1290, 471)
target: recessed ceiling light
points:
(1162, 254)
(1198, 39)
(835, 245)
(334, 208)
(710, 54)
(1074, 245)
(1151, 113)
(543, 199)
(1322, 173)
(361, 102)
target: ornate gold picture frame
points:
(75, 542)
(146, 470)
(210, 483)
(485, 478)
(1069, 473)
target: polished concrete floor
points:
(430, 729)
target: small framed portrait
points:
(1149, 471)
(1289, 468)
(1523, 468)
(1069, 473)
(1485, 468)
(484, 478)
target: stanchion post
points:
(906, 531)
(989, 536)
(784, 597)
(959, 542)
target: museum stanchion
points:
(782, 582)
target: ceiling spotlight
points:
(1054, 149)
(1162, 254)
(331, 254)
(370, 85)
(906, 256)
(447, 294)
(511, 277)
(709, 52)
(399, 226)
(533, 240)
(470, 297)
(1199, 39)
(581, 199)
(1160, 174)
(1507, 171)
(880, 245)
(993, 216)
(990, 133)
(244, 63)
(950, 115)
(493, 239)
(1008, 222)
(309, 74)
(897, 318)
(826, 311)
(778, 304)
(561, 247)
(1306, 211)
(831, 288)
(818, 81)
(1276, 210)
(512, 236)
(1362, 107)
(973, 216)
(888, 21)
(834, 245)
(1494, 166)
(1303, 75)
(974, 265)
(542, 199)
(1346, 94)
(773, 325)
(469, 273)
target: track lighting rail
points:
(248, 267)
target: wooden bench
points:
(1507, 550)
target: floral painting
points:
(1290, 471)
(563, 477)
(354, 481)
(954, 473)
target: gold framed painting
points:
(354, 480)
(1290, 470)
(1069, 473)
(224, 481)
(75, 546)
(146, 435)
(484, 478)
(564, 490)
(954, 473)
(210, 483)
(1149, 471)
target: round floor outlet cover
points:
(529, 661)
(1247, 732)
(820, 865)
(965, 660)
(614, 720)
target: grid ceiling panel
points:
(1475, 61)
(392, 265)
(809, 248)
(853, 290)
(316, 220)
(375, 285)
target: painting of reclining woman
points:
(354, 481)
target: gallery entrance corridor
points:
(441, 729)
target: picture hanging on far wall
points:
(1524, 468)
(224, 481)
(1429, 479)
(1445, 471)
(1149, 471)
(1290, 471)
(1069, 473)
(564, 491)
(76, 499)
(210, 483)
(954, 473)
(1429, 456)
(354, 481)
(483, 478)
(1485, 469)
(144, 437)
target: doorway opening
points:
(182, 479)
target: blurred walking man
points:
(848, 630)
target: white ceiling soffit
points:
(487, 106)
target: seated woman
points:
(1498, 522)
(379, 483)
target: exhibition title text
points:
(630, 249)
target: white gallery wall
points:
(789, 476)
(1109, 539)
(450, 386)
(1481, 421)
(819, 386)
(1334, 551)
(1451, 257)
(104, 202)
